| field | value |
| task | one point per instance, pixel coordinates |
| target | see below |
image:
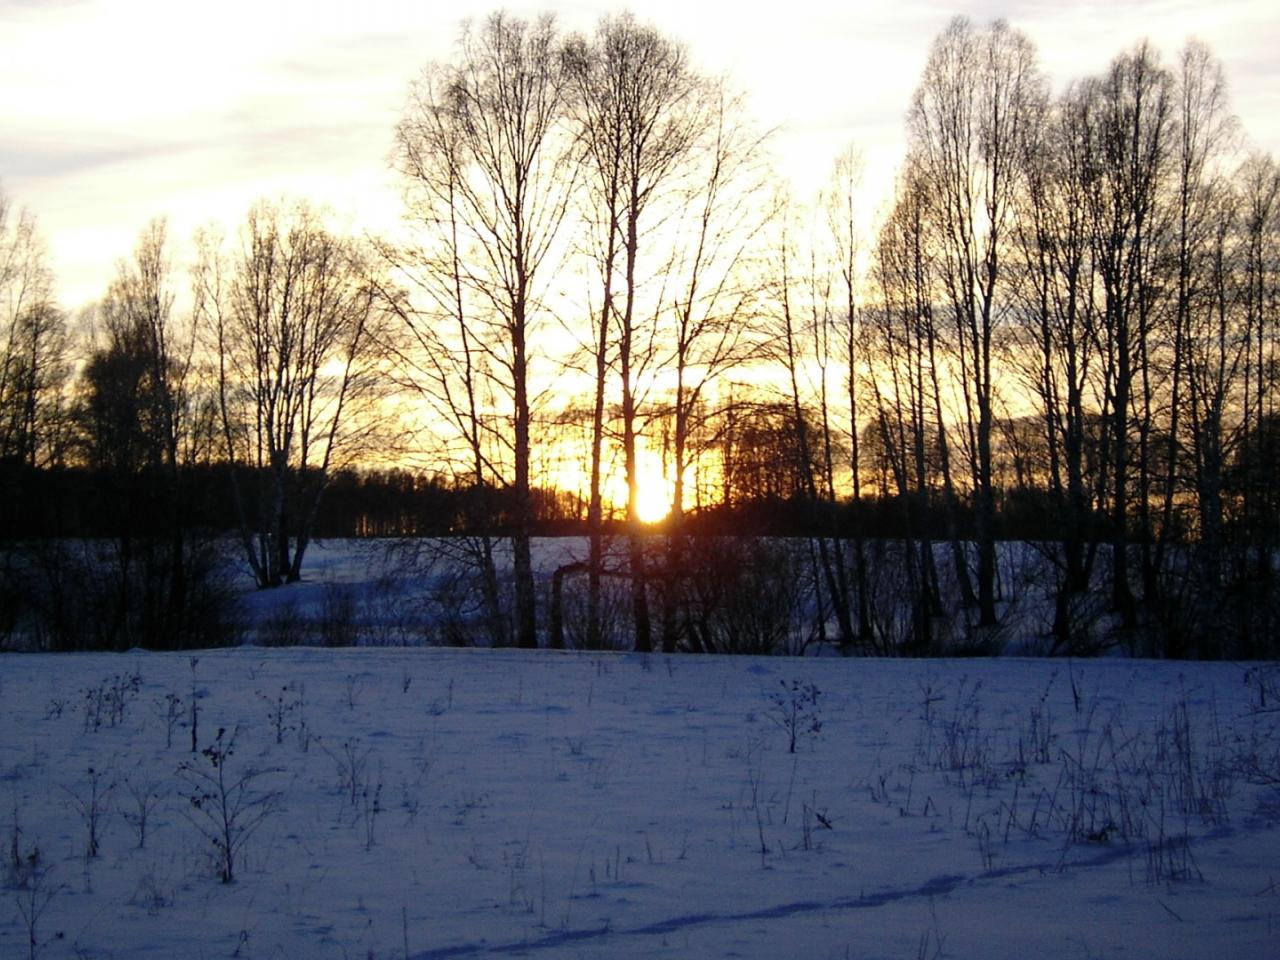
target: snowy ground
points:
(443, 803)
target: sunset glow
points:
(653, 489)
(632, 447)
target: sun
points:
(653, 500)
(653, 489)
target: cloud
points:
(36, 158)
(21, 8)
(133, 108)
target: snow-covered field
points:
(469, 803)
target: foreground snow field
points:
(439, 803)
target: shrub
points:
(283, 626)
(94, 595)
(226, 807)
(794, 709)
(336, 625)
(743, 595)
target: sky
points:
(114, 112)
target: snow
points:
(594, 805)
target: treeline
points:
(371, 503)
(1063, 331)
(85, 503)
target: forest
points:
(1046, 374)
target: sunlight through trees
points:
(604, 316)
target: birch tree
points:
(292, 315)
(641, 113)
(979, 92)
(496, 113)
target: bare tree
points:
(846, 316)
(33, 345)
(979, 92)
(641, 113)
(820, 345)
(34, 373)
(293, 318)
(804, 348)
(1129, 117)
(1259, 185)
(713, 301)
(490, 127)
(444, 359)
(1210, 335)
(1054, 345)
(902, 381)
(145, 424)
